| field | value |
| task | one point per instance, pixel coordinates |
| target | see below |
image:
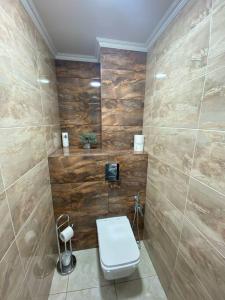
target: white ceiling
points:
(72, 26)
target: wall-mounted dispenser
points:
(112, 172)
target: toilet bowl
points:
(118, 250)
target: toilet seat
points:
(117, 245)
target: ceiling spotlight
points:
(161, 76)
(95, 83)
(44, 80)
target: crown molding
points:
(33, 13)
(169, 16)
(75, 57)
(123, 45)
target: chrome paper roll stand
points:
(67, 260)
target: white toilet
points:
(118, 250)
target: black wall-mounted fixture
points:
(112, 172)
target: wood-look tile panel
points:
(76, 69)
(75, 131)
(122, 112)
(122, 59)
(119, 137)
(77, 168)
(122, 84)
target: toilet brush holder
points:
(64, 231)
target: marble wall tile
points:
(77, 168)
(122, 84)
(6, 232)
(178, 107)
(209, 159)
(171, 183)
(132, 169)
(76, 69)
(205, 209)
(204, 260)
(217, 41)
(122, 112)
(212, 110)
(20, 104)
(22, 149)
(122, 59)
(1, 182)
(74, 132)
(27, 192)
(119, 137)
(185, 284)
(168, 215)
(173, 146)
(50, 108)
(11, 275)
(53, 138)
(161, 249)
(29, 237)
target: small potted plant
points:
(88, 139)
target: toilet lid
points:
(117, 244)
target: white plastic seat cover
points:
(117, 244)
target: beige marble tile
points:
(20, 19)
(173, 146)
(20, 104)
(53, 138)
(205, 261)
(185, 284)
(217, 41)
(30, 234)
(179, 106)
(171, 183)
(27, 193)
(213, 105)
(168, 215)
(209, 161)
(185, 62)
(103, 293)
(143, 289)
(205, 209)
(21, 150)
(160, 248)
(24, 59)
(6, 230)
(88, 273)
(50, 108)
(11, 275)
(1, 182)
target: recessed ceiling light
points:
(160, 76)
(95, 83)
(44, 80)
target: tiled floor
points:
(87, 281)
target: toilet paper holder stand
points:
(66, 261)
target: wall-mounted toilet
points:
(118, 250)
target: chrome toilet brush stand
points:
(64, 231)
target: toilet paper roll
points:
(66, 234)
(138, 142)
(139, 139)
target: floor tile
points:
(61, 296)
(141, 289)
(59, 283)
(102, 293)
(144, 269)
(87, 273)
